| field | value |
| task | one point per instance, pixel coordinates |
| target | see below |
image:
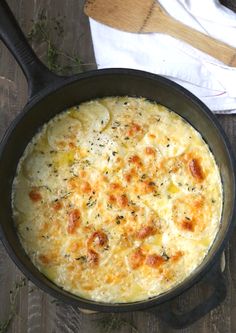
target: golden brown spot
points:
(57, 205)
(129, 229)
(74, 217)
(93, 257)
(177, 256)
(146, 187)
(122, 201)
(150, 151)
(134, 128)
(82, 173)
(115, 186)
(196, 169)
(71, 268)
(85, 187)
(154, 260)
(110, 278)
(152, 136)
(111, 199)
(188, 225)
(44, 259)
(98, 238)
(61, 144)
(128, 177)
(125, 240)
(145, 232)
(35, 195)
(72, 145)
(87, 229)
(198, 203)
(74, 247)
(189, 213)
(137, 258)
(73, 182)
(44, 228)
(103, 179)
(135, 159)
(88, 287)
(168, 274)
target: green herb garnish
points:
(41, 33)
(114, 322)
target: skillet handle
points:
(215, 279)
(38, 76)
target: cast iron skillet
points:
(50, 94)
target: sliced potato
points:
(28, 199)
(37, 167)
(170, 139)
(93, 116)
(63, 132)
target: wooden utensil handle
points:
(207, 44)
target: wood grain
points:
(149, 16)
(36, 312)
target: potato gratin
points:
(117, 199)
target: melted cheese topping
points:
(117, 200)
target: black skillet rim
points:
(189, 281)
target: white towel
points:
(207, 78)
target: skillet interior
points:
(91, 85)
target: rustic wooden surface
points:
(36, 311)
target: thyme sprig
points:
(114, 322)
(14, 292)
(45, 31)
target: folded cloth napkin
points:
(209, 79)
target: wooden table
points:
(33, 310)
